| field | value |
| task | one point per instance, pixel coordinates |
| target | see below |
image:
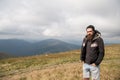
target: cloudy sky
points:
(60, 19)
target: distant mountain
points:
(14, 47)
(18, 47)
(53, 45)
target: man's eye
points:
(89, 31)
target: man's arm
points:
(83, 51)
(101, 51)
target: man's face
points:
(90, 33)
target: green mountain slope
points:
(18, 47)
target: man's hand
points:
(93, 64)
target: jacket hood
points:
(97, 34)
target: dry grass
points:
(61, 66)
(68, 71)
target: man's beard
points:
(89, 37)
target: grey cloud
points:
(61, 18)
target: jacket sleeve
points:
(83, 51)
(101, 51)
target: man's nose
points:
(88, 33)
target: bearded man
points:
(92, 53)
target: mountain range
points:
(16, 47)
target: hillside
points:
(4, 55)
(61, 66)
(16, 47)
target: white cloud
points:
(50, 32)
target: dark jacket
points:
(95, 52)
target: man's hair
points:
(91, 26)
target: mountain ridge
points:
(19, 47)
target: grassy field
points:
(60, 66)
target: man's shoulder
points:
(100, 39)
